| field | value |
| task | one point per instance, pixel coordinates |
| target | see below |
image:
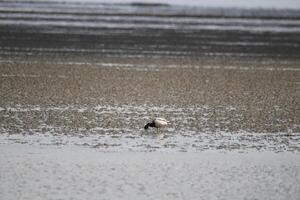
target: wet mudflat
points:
(78, 85)
(76, 30)
(209, 106)
(75, 130)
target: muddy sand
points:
(251, 97)
(75, 130)
(78, 82)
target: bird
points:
(157, 123)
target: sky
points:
(277, 4)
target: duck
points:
(157, 123)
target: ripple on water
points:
(93, 127)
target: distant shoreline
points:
(266, 4)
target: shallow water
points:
(47, 172)
(120, 129)
(53, 29)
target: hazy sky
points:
(294, 4)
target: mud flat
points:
(75, 130)
(78, 82)
(251, 97)
(239, 107)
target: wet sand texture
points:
(250, 100)
(79, 81)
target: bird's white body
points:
(157, 123)
(160, 122)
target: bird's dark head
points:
(152, 124)
(147, 126)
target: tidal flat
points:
(78, 82)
